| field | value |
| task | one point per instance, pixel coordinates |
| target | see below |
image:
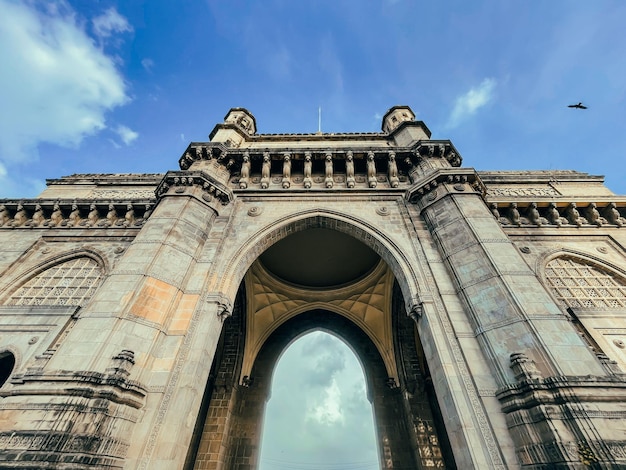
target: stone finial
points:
(121, 364)
(523, 367)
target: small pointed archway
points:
(318, 414)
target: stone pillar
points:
(124, 389)
(508, 307)
(552, 388)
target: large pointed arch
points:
(394, 255)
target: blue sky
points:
(98, 86)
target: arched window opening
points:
(590, 294)
(577, 284)
(318, 415)
(7, 363)
(72, 282)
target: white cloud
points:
(328, 410)
(147, 64)
(127, 135)
(110, 22)
(60, 83)
(467, 104)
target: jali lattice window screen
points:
(578, 284)
(72, 282)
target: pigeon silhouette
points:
(577, 106)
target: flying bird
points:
(577, 106)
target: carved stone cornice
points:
(606, 212)
(177, 182)
(112, 386)
(327, 167)
(535, 390)
(452, 180)
(77, 213)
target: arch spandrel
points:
(366, 303)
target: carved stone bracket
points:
(415, 309)
(561, 214)
(523, 367)
(454, 179)
(176, 182)
(224, 305)
(46, 214)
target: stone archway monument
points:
(207, 273)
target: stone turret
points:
(400, 123)
(238, 124)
